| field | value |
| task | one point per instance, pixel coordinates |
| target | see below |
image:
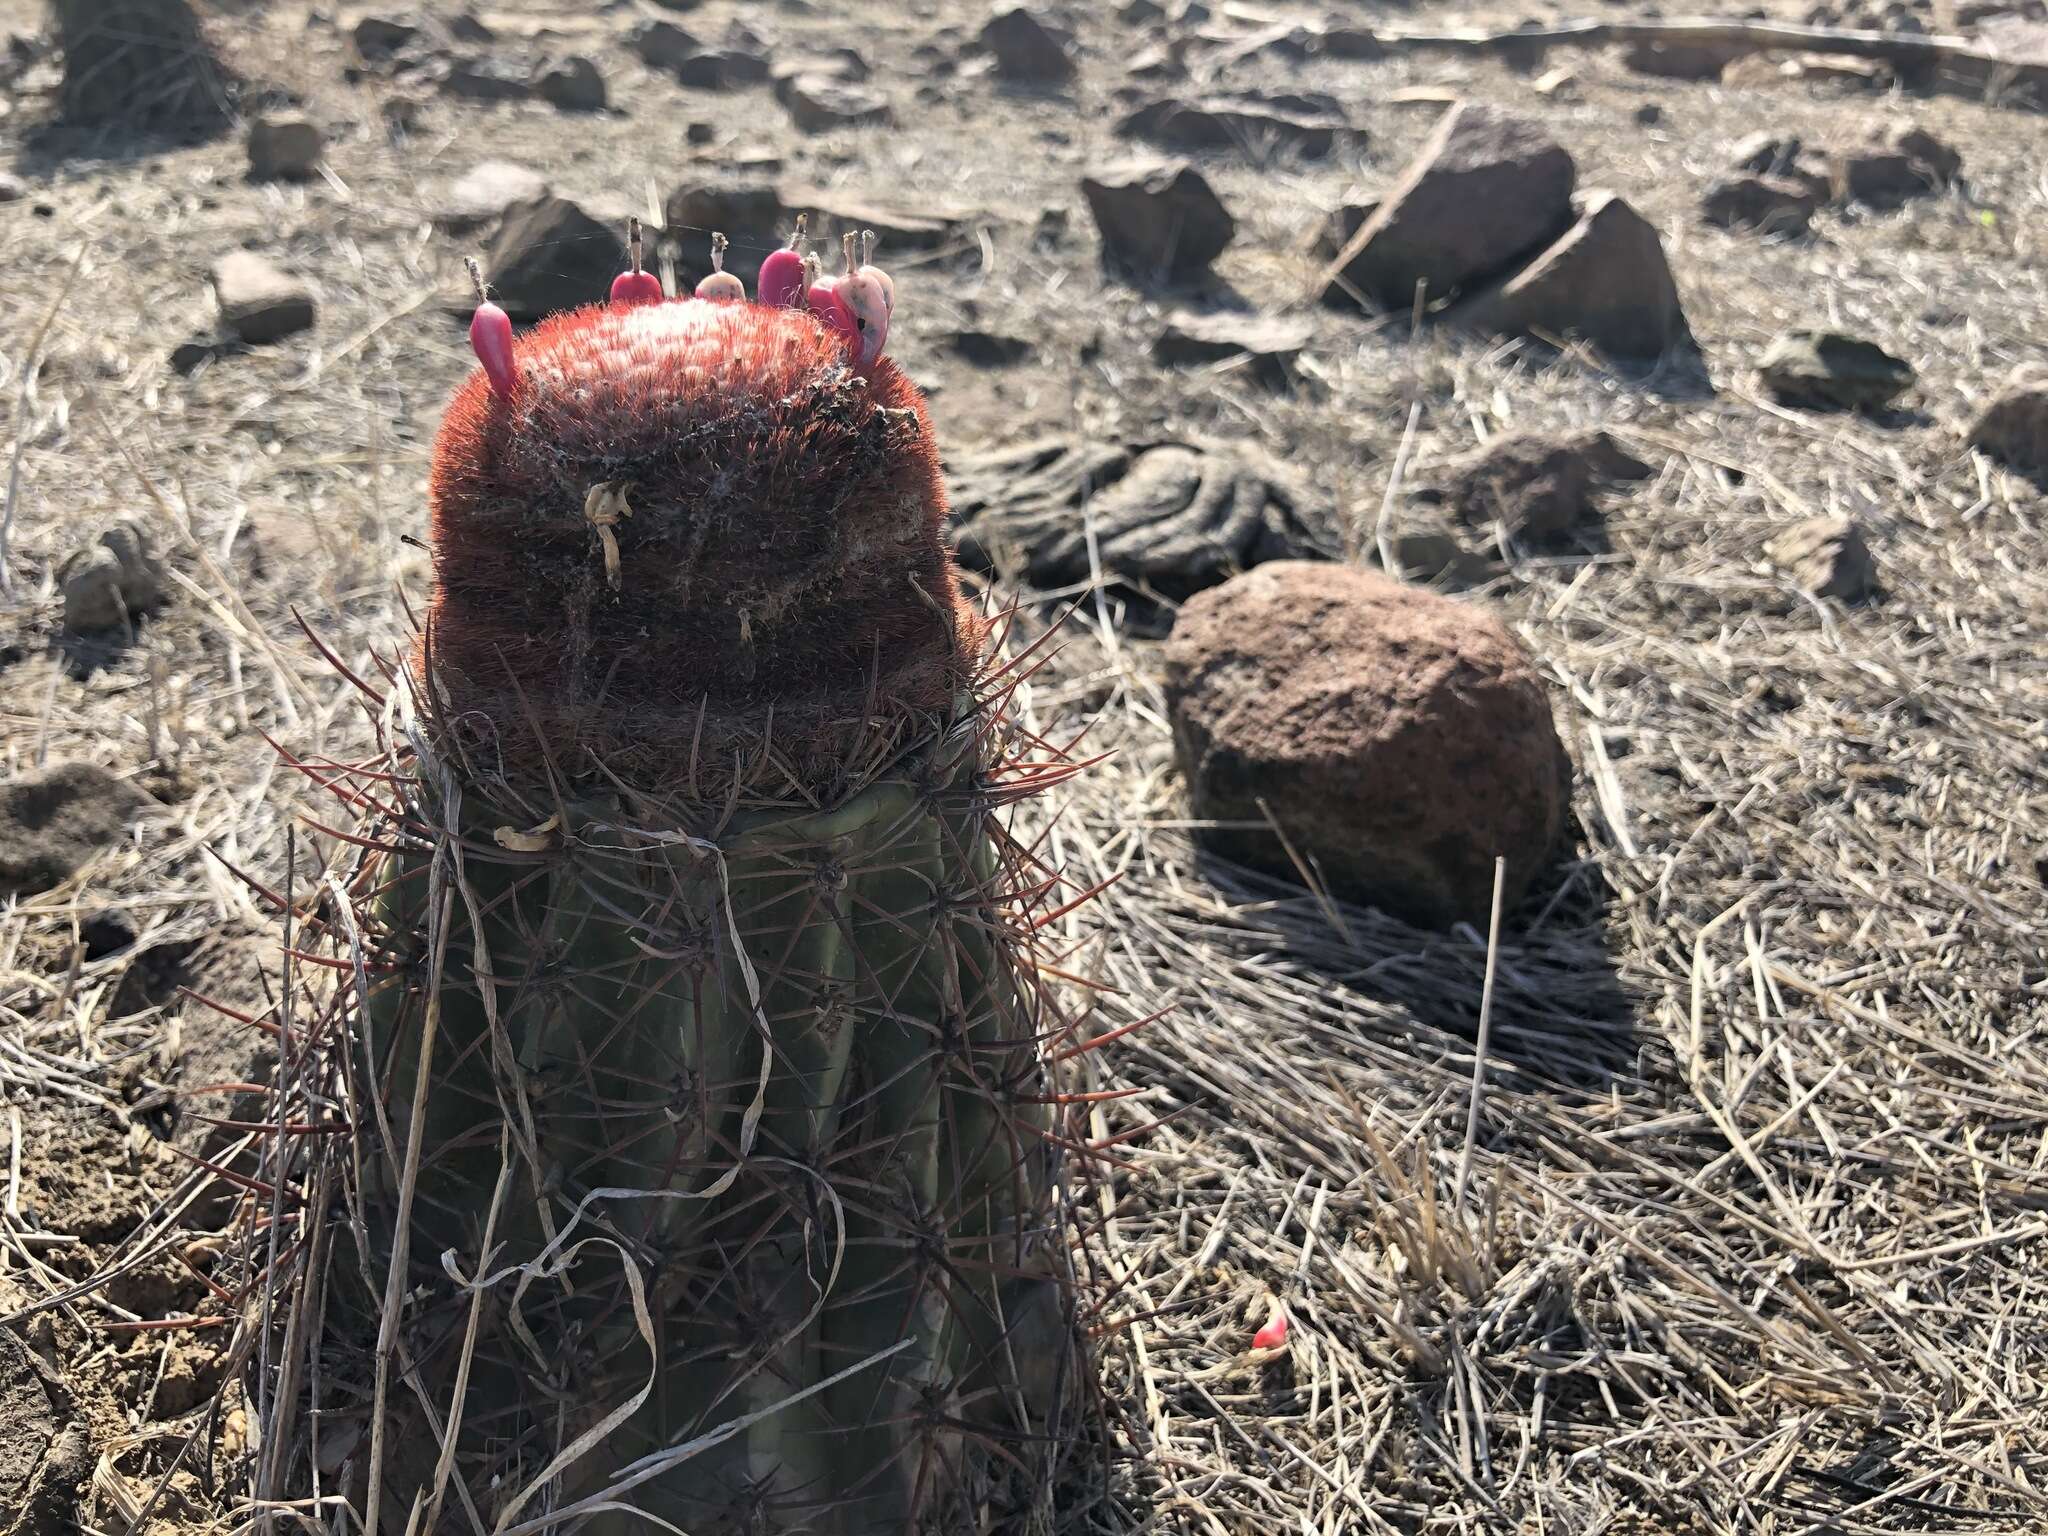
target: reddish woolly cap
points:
(783, 578)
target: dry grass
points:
(1752, 1234)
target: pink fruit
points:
(721, 287)
(490, 337)
(634, 286)
(823, 299)
(868, 295)
(782, 274)
(1274, 1334)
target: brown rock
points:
(1765, 204)
(1826, 557)
(259, 301)
(1401, 739)
(2014, 426)
(1486, 189)
(1830, 370)
(573, 85)
(1605, 282)
(1538, 487)
(1158, 218)
(662, 44)
(53, 822)
(1883, 178)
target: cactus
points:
(709, 1166)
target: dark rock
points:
(1425, 548)
(1169, 517)
(259, 301)
(1225, 124)
(2013, 428)
(550, 255)
(1024, 48)
(1352, 43)
(817, 103)
(844, 64)
(1940, 161)
(662, 44)
(1401, 739)
(574, 84)
(1606, 282)
(1827, 370)
(985, 349)
(1649, 114)
(1766, 204)
(722, 69)
(284, 148)
(1826, 557)
(1272, 344)
(481, 195)
(488, 78)
(1882, 178)
(1537, 486)
(378, 38)
(1158, 218)
(1486, 189)
(113, 582)
(55, 821)
(12, 188)
(468, 27)
(1674, 60)
(1161, 61)
(188, 357)
(752, 213)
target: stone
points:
(468, 27)
(487, 77)
(550, 255)
(284, 148)
(752, 213)
(55, 821)
(481, 195)
(1484, 191)
(2013, 427)
(1939, 160)
(1683, 60)
(1169, 517)
(1402, 740)
(662, 44)
(1176, 124)
(1649, 114)
(189, 356)
(1426, 548)
(1158, 218)
(837, 64)
(1334, 230)
(985, 349)
(1882, 178)
(1538, 487)
(259, 301)
(1605, 282)
(112, 582)
(1825, 557)
(12, 188)
(1764, 204)
(1271, 344)
(1024, 48)
(817, 103)
(722, 69)
(574, 84)
(377, 38)
(1828, 370)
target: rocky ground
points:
(1734, 438)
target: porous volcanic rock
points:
(1401, 739)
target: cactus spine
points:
(710, 1167)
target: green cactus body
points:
(716, 1174)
